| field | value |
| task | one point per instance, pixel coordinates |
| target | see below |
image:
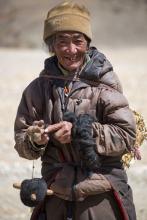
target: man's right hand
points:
(61, 131)
(37, 134)
(40, 135)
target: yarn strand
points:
(33, 169)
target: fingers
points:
(35, 129)
(54, 127)
(65, 139)
(36, 133)
(39, 123)
(44, 139)
(63, 135)
(61, 130)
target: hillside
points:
(114, 22)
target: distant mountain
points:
(114, 22)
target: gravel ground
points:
(17, 69)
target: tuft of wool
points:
(83, 141)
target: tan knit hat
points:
(67, 16)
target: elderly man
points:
(77, 79)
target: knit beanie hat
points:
(67, 16)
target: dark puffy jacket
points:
(98, 93)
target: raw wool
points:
(83, 141)
(141, 135)
(80, 125)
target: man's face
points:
(70, 48)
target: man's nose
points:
(71, 48)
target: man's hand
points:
(37, 134)
(40, 135)
(62, 131)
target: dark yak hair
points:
(83, 141)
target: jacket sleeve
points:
(27, 113)
(115, 132)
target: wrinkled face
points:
(70, 49)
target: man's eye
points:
(79, 42)
(62, 42)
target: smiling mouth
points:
(71, 58)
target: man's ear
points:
(88, 42)
(52, 49)
(50, 44)
(88, 46)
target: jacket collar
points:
(95, 67)
(98, 69)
